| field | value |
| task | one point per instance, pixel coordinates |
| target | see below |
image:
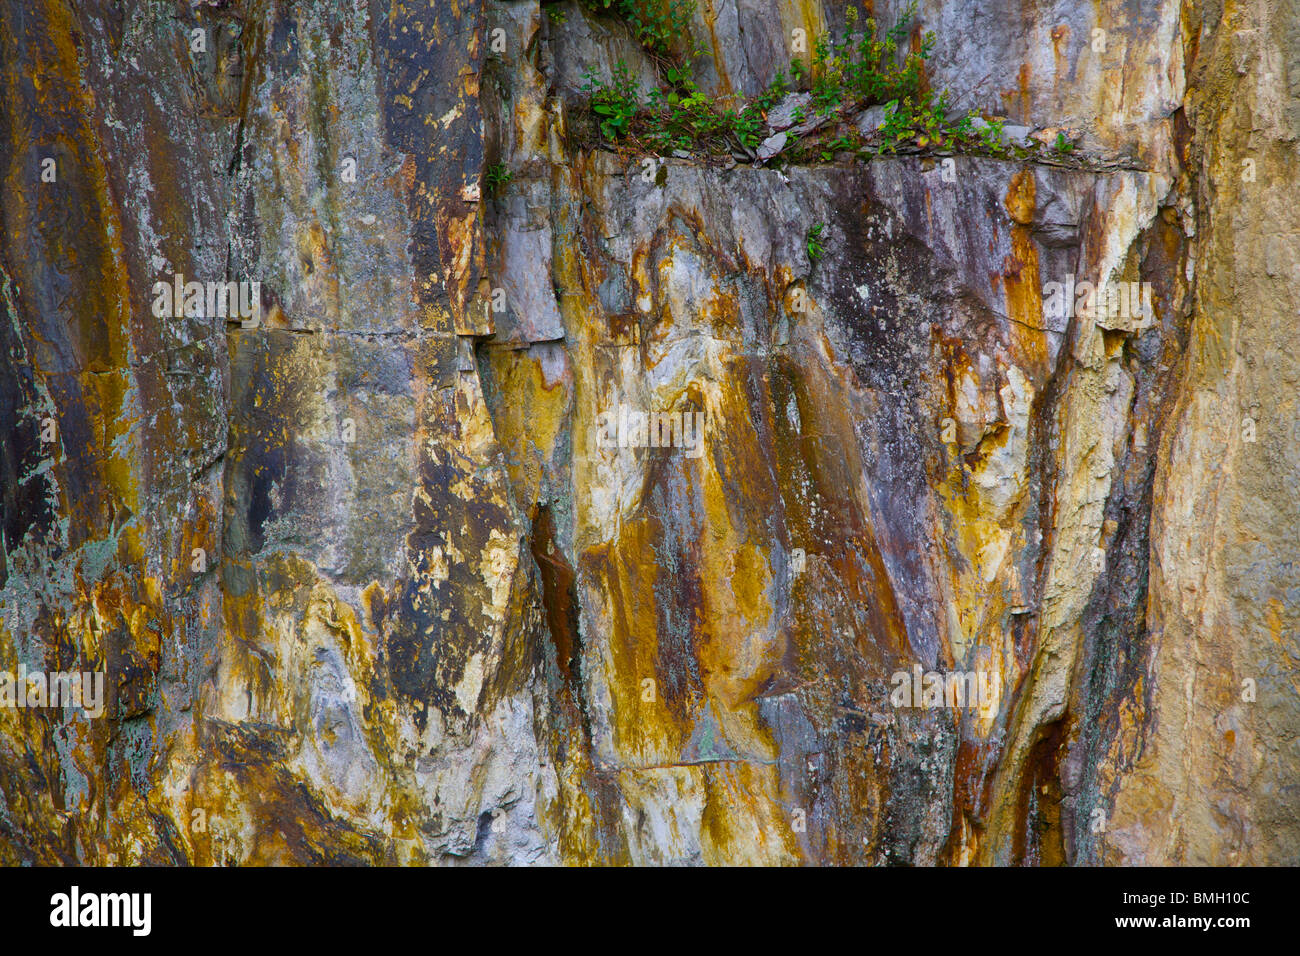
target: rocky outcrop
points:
(590, 515)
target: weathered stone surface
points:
(1216, 780)
(437, 616)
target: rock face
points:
(612, 514)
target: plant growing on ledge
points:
(991, 137)
(847, 74)
(863, 69)
(922, 118)
(813, 241)
(775, 91)
(845, 142)
(682, 117)
(616, 104)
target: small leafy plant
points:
(991, 137)
(682, 117)
(1063, 146)
(615, 104)
(497, 178)
(814, 241)
(923, 118)
(774, 93)
(845, 142)
(748, 127)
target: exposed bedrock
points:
(398, 572)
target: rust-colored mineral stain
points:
(1039, 839)
(558, 599)
(973, 776)
(1021, 196)
(1024, 290)
(1060, 36)
(1023, 87)
(719, 61)
(643, 724)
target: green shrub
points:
(923, 118)
(682, 117)
(774, 93)
(616, 104)
(863, 69)
(990, 137)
